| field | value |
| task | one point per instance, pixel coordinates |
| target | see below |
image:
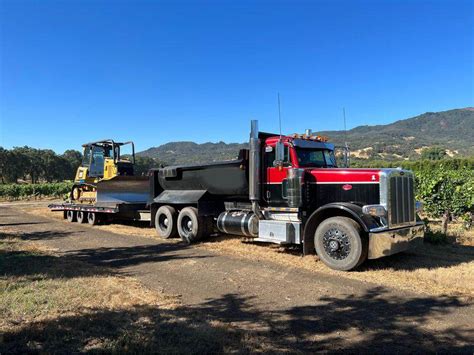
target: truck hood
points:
(344, 176)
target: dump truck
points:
(289, 190)
(283, 189)
(105, 186)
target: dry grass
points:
(50, 304)
(434, 269)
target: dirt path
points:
(295, 308)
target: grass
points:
(445, 268)
(51, 304)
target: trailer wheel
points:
(71, 216)
(165, 222)
(340, 243)
(191, 226)
(81, 217)
(92, 218)
(64, 214)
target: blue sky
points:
(158, 71)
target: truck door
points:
(275, 178)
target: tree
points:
(143, 164)
(433, 153)
(74, 159)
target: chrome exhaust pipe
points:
(254, 170)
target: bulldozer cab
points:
(103, 159)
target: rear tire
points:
(191, 226)
(340, 243)
(93, 218)
(81, 217)
(71, 216)
(166, 222)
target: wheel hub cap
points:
(336, 244)
(190, 224)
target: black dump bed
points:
(223, 179)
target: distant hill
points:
(190, 152)
(452, 130)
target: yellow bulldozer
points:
(107, 176)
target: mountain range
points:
(451, 130)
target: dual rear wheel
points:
(187, 224)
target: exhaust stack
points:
(254, 170)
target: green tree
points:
(433, 153)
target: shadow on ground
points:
(27, 263)
(428, 256)
(120, 257)
(372, 322)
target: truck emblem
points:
(373, 177)
(347, 187)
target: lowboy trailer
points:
(283, 189)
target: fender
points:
(344, 209)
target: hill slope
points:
(452, 130)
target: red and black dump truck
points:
(289, 190)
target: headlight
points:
(374, 210)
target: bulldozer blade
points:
(123, 189)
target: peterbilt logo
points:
(347, 187)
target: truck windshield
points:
(315, 158)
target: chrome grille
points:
(401, 198)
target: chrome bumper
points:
(392, 241)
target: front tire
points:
(191, 226)
(340, 243)
(166, 222)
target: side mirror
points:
(279, 154)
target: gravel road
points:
(297, 309)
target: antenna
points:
(346, 147)
(345, 129)
(279, 113)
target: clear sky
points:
(158, 71)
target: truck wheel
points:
(81, 217)
(165, 222)
(340, 243)
(191, 227)
(92, 218)
(71, 216)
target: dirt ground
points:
(259, 298)
(446, 269)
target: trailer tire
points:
(191, 226)
(81, 217)
(71, 216)
(166, 222)
(93, 218)
(340, 243)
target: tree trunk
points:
(445, 221)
